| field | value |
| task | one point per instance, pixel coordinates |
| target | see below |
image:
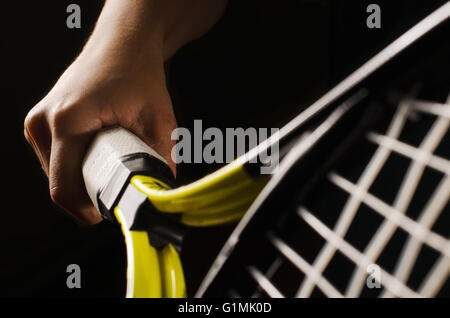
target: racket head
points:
(293, 237)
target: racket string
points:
(394, 217)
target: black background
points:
(263, 62)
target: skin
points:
(118, 79)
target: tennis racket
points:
(366, 206)
(129, 183)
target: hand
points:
(98, 90)
(118, 79)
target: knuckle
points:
(58, 197)
(32, 122)
(132, 120)
(73, 118)
(59, 118)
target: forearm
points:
(152, 27)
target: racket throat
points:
(140, 215)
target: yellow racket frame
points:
(219, 198)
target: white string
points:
(430, 214)
(403, 199)
(440, 110)
(326, 287)
(435, 278)
(269, 274)
(421, 157)
(264, 283)
(391, 283)
(427, 218)
(413, 228)
(433, 161)
(352, 205)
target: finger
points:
(37, 133)
(156, 131)
(67, 187)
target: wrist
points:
(127, 29)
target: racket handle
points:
(113, 157)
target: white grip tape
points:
(104, 153)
